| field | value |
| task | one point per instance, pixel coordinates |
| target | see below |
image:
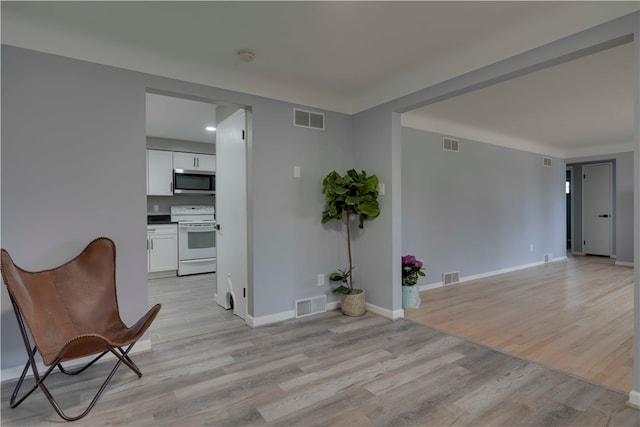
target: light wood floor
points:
(324, 370)
(188, 308)
(574, 315)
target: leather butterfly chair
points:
(71, 311)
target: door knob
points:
(217, 226)
(603, 216)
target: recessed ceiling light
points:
(210, 129)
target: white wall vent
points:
(450, 144)
(449, 278)
(308, 119)
(546, 161)
(548, 258)
(309, 306)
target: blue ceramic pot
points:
(410, 297)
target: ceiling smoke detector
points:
(246, 55)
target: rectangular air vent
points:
(546, 161)
(309, 306)
(308, 119)
(450, 144)
(449, 278)
(548, 258)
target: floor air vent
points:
(308, 119)
(450, 144)
(449, 278)
(309, 306)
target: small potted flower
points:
(411, 271)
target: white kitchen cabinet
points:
(194, 161)
(162, 247)
(159, 173)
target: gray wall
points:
(73, 168)
(478, 210)
(622, 202)
(375, 266)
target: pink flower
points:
(408, 259)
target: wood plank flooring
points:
(574, 315)
(188, 308)
(324, 370)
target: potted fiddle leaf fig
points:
(349, 196)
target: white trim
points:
(334, 305)
(384, 312)
(270, 318)
(577, 253)
(572, 185)
(624, 264)
(634, 399)
(15, 372)
(430, 286)
(490, 273)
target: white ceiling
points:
(177, 118)
(582, 107)
(349, 56)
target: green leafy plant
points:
(341, 276)
(351, 194)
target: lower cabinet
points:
(162, 247)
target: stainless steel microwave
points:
(193, 182)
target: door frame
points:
(572, 205)
(248, 175)
(611, 190)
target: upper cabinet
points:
(159, 173)
(194, 161)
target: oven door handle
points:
(192, 229)
(197, 261)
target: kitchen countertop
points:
(155, 218)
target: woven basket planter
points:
(353, 303)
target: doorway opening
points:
(180, 127)
(569, 202)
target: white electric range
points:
(196, 238)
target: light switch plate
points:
(296, 171)
(381, 189)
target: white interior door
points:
(231, 213)
(596, 209)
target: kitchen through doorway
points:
(186, 128)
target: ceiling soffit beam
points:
(602, 37)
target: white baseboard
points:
(634, 399)
(384, 312)
(270, 318)
(577, 253)
(489, 274)
(335, 305)
(15, 372)
(624, 263)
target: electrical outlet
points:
(296, 171)
(531, 247)
(381, 189)
(155, 208)
(320, 279)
